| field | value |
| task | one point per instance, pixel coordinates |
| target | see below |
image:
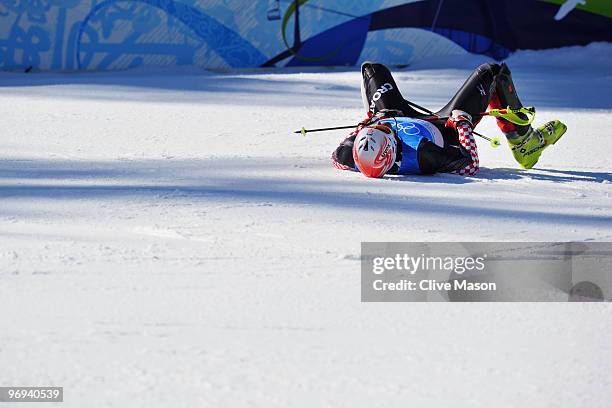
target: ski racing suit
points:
(435, 145)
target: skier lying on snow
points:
(393, 140)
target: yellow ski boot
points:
(527, 149)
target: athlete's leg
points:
(526, 143)
(473, 97)
(475, 94)
(505, 95)
(379, 90)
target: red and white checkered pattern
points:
(340, 166)
(467, 140)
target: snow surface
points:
(166, 241)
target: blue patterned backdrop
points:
(119, 34)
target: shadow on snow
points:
(212, 181)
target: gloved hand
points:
(457, 116)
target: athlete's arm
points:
(435, 159)
(468, 142)
(342, 157)
(461, 159)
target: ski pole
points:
(509, 114)
(494, 141)
(303, 130)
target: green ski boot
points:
(527, 149)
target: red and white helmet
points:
(374, 150)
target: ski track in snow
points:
(167, 241)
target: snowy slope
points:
(165, 240)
